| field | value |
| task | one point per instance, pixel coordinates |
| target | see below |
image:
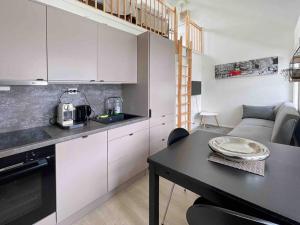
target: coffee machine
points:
(65, 115)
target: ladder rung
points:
(185, 113)
(184, 104)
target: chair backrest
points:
(176, 135)
(213, 215)
(296, 135)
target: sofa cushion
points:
(257, 133)
(257, 122)
(259, 112)
(285, 121)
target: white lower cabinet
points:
(159, 134)
(127, 155)
(81, 173)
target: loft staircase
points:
(184, 85)
(192, 43)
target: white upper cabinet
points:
(72, 47)
(162, 76)
(117, 56)
(22, 41)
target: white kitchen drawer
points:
(122, 171)
(161, 131)
(127, 156)
(167, 129)
(154, 121)
(126, 130)
(156, 146)
(159, 136)
(129, 145)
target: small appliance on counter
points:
(114, 105)
(113, 111)
(65, 115)
(82, 113)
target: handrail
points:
(193, 35)
(154, 15)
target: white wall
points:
(236, 31)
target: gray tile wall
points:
(32, 106)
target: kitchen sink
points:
(107, 119)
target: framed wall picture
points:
(255, 67)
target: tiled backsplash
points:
(32, 106)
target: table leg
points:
(153, 196)
(201, 121)
(217, 121)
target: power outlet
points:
(72, 91)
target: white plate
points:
(239, 149)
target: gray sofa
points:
(260, 124)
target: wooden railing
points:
(193, 35)
(154, 15)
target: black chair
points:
(176, 135)
(203, 212)
(296, 135)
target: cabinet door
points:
(81, 173)
(159, 136)
(127, 156)
(162, 76)
(22, 40)
(72, 47)
(117, 56)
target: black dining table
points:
(274, 196)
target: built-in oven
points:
(27, 186)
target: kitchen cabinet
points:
(159, 134)
(72, 47)
(117, 56)
(162, 76)
(127, 154)
(155, 93)
(22, 41)
(81, 173)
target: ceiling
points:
(283, 13)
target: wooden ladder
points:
(184, 85)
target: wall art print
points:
(256, 67)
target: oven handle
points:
(17, 171)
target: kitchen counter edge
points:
(59, 135)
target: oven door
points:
(27, 192)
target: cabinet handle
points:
(86, 136)
(39, 79)
(92, 81)
(163, 139)
(163, 115)
(101, 80)
(131, 134)
(163, 124)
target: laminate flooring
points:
(130, 206)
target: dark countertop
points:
(58, 135)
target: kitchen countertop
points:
(58, 135)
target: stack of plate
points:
(239, 149)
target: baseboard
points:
(97, 203)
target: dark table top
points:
(278, 191)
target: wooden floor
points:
(130, 206)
